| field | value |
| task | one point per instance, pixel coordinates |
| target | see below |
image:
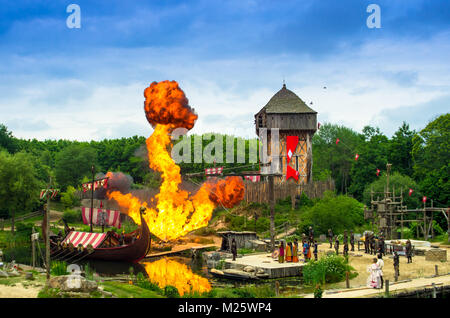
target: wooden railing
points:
(20, 218)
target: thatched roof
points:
(286, 101)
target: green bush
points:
(329, 269)
(24, 229)
(171, 292)
(338, 212)
(143, 282)
(69, 198)
(58, 268)
(72, 216)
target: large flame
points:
(165, 272)
(177, 213)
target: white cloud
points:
(102, 94)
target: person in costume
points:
(281, 253)
(305, 250)
(289, 252)
(295, 251)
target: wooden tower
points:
(287, 112)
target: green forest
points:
(420, 161)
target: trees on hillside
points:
(399, 150)
(20, 187)
(73, 163)
(372, 156)
(335, 159)
(338, 212)
(431, 153)
(7, 140)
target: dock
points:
(265, 262)
(180, 249)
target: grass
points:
(244, 251)
(248, 291)
(123, 290)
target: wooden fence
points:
(258, 191)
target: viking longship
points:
(109, 246)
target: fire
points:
(177, 211)
(166, 272)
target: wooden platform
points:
(179, 249)
(265, 262)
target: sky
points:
(230, 57)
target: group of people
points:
(289, 252)
(332, 237)
(374, 245)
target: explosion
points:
(177, 211)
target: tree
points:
(7, 140)
(399, 150)
(19, 186)
(398, 182)
(431, 153)
(73, 163)
(338, 212)
(372, 156)
(335, 159)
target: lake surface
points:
(184, 272)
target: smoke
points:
(118, 181)
(165, 103)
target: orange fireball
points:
(177, 212)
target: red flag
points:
(101, 204)
(378, 172)
(291, 144)
(337, 140)
(410, 191)
(291, 172)
(424, 199)
(356, 157)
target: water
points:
(120, 270)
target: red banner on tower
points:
(291, 144)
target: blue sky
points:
(230, 57)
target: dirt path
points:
(19, 291)
(417, 283)
(419, 268)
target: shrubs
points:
(69, 198)
(329, 269)
(171, 292)
(58, 268)
(72, 216)
(338, 212)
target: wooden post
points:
(91, 212)
(433, 295)
(47, 232)
(386, 286)
(272, 214)
(436, 270)
(347, 281)
(33, 249)
(395, 275)
(277, 288)
(448, 224)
